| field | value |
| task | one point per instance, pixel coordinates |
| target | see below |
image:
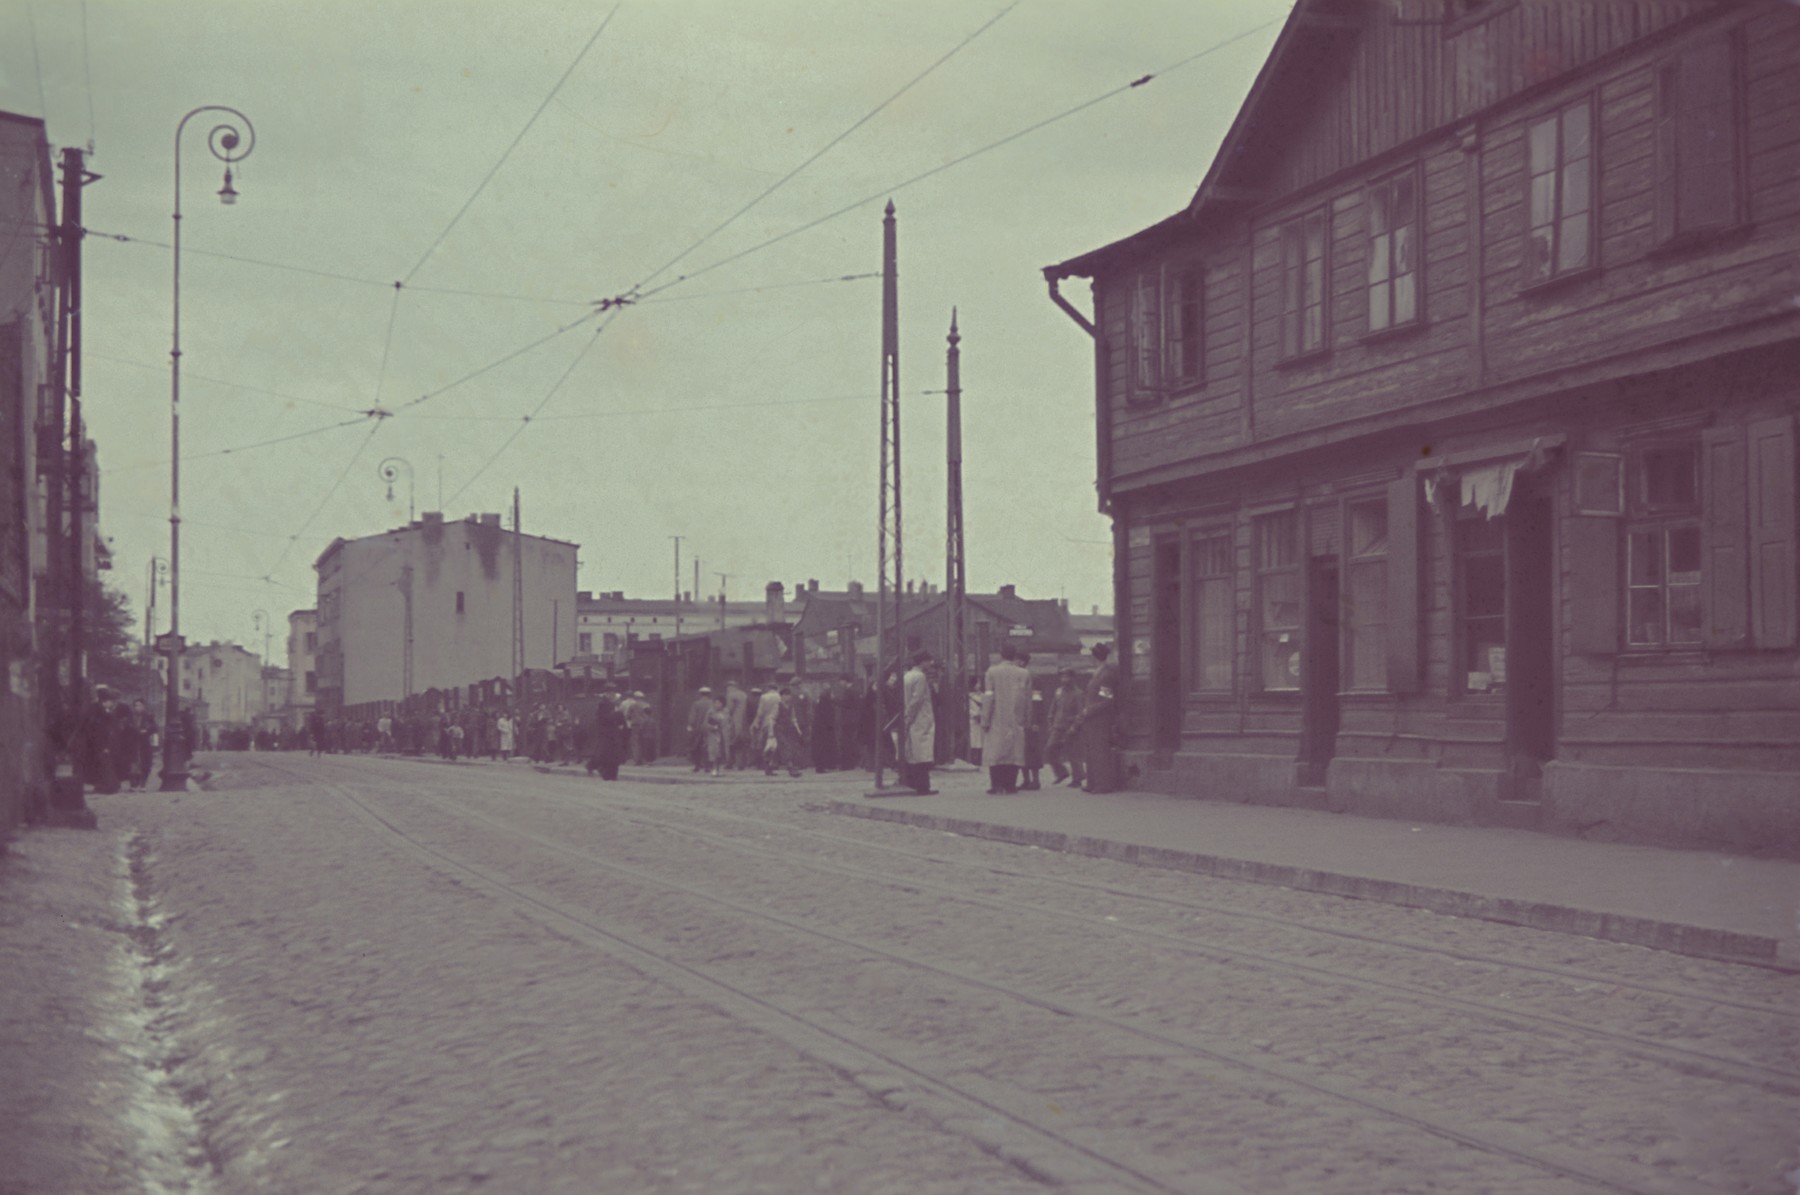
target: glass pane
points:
(1378, 211)
(1484, 587)
(1365, 618)
(1315, 282)
(1543, 145)
(1484, 658)
(1378, 307)
(1405, 243)
(1315, 328)
(1670, 476)
(1378, 258)
(1479, 535)
(1597, 484)
(1646, 617)
(1684, 555)
(1280, 662)
(1368, 529)
(1315, 237)
(1543, 199)
(1572, 243)
(1275, 539)
(1406, 298)
(1281, 601)
(1646, 558)
(1684, 613)
(1575, 133)
(1215, 635)
(1537, 254)
(1403, 200)
(1576, 178)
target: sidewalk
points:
(1691, 902)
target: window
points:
(1278, 595)
(1697, 168)
(1365, 598)
(1303, 285)
(1663, 547)
(459, 601)
(584, 643)
(611, 642)
(1560, 159)
(1145, 364)
(312, 641)
(1186, 309)
(1214, 620)
(312, 682)
(1481, 601)
(1394, 251)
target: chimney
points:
(855, 589)
(812, 586)
(909, 589)
(432, 518)
(1009, 591)
(774, 603)
(1096, 611)
(490, 520)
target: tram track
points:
(1492, 1138)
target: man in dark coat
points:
(1099, 711)
(97, 743)
(609, 739)
(825, 731)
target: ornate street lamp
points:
(231, 140)
(389, 471)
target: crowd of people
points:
(1017, 725)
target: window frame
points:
(1552, 273)
(1202, 571)
(1353, 563)
(1263, 573)
(1645, 517)
(1143, 338)
(1461, 619)
(1294, 289)
(1383, 187)
(1184, 339)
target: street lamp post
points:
(156, 575)
(389, 471)
(230, 141)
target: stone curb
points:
(1675, 937)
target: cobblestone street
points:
(381, 975)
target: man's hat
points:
(639, 695)
(705, 690)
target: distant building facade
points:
(222, 683)
(430, 606)
(302, 666)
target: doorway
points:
(1165, 633)
(1531, 623)
(1320, 674)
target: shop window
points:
(1480, 547)
(1278, 598)
(1394, 251)
(1560, 165)
(1215, 624)
(1186, 313)
(1365, 598)
(1663, 570)
(1303, 285)
(1698, 167)
(584, 643)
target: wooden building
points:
(1448, 431)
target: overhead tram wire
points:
(621, 414)
(329, 494)
(644, 296)
(316, 431)
(186, 376)
(493, 170)
(828, 146)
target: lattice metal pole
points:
(955, 560)
(888, 545)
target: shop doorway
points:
(1320, 675)
(1530, 661)
(1165, 638)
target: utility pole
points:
(406, 653)
(888, 541)
(955, 560)
(74, 178)
(518, 650)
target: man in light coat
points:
(737, 729)
(1005, 715)
(918, 743)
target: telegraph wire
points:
(319, 509)
(525, 421)
(828, 146)
(518, 352)
(387, 347)
(746, 290)
(615, 414)
(638, 297)
(186, 376)
(482, 185)
(316, 431)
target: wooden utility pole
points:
(518, 649)
(955, 560)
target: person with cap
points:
(1062, 752)
(1099, 711)
(1005, 715)
(697, 716)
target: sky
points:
(509, 168)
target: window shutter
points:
(1772, 522)
(1707, 154)
(1403, 572)
(1591, 567)
(1726, 574)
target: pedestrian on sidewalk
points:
(503, 726)
(918, 742)
(1063, 751)
(698, 716)
(1099, 712)
(977, 706)
(609, 739)
(763, 732)
(718, 736)
(790, 740)
(737, 727)
(1030, 775)
(1005, 711)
